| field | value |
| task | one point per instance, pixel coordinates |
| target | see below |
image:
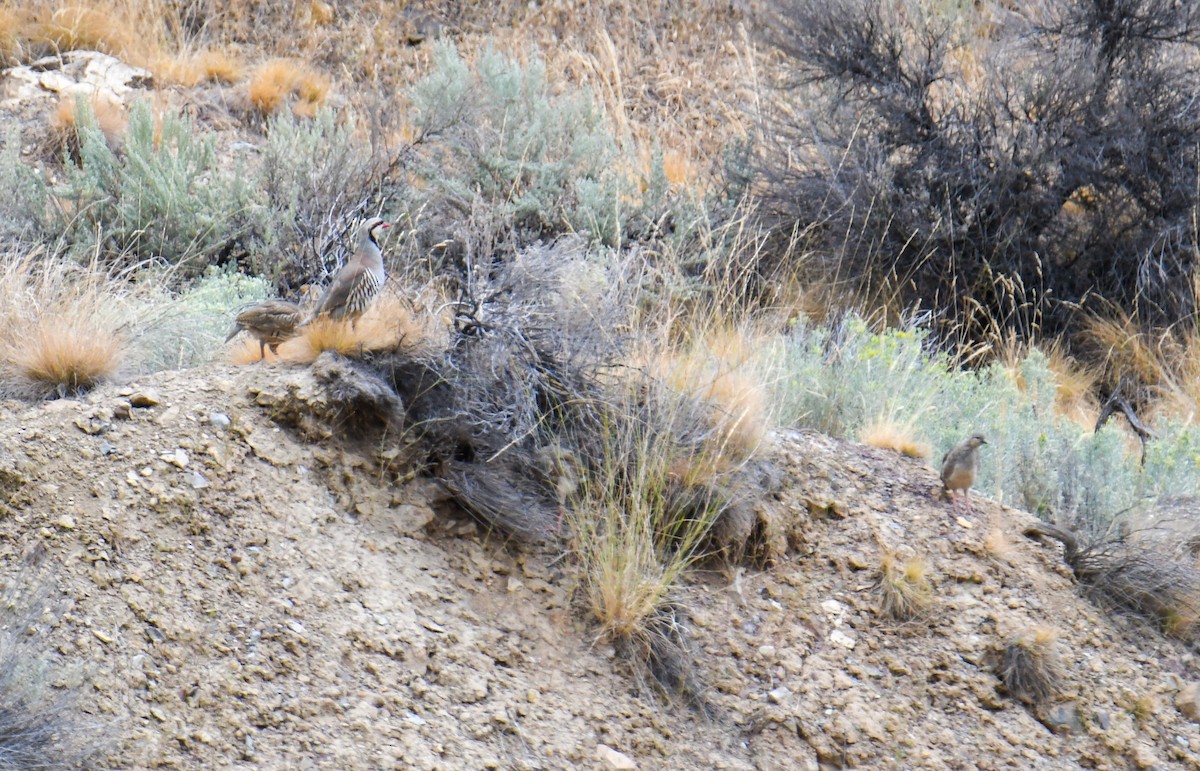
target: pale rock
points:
(1187, 701)
(616, 761)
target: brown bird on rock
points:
(959, 467)
(270, 322)
(358, 282)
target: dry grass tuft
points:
(62, 332)
(277, 82)
(888, 434)
(188, 70)
(1075, 384)
(86, 27)
(904, 589)
(65, 354)
(13, 23)
(391, 323)
(1029, 666)
(631, 544)
(717, 370)
(110, 118)
(1164, 361)
(1141, 572)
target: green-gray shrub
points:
(838, 379)
(501, 136)
(186, 329)
(23, 207)
(318, 180)
(165, 197)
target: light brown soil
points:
(240, 598)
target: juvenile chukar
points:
(959, 467)
(359, 280)
(271, 322)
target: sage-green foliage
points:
(549, 161)
(838, 379)
(26, 196)
(186, 329)
(318, 181)
(165, 197)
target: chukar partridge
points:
(358, 282)
(270, 322)
(959, 467)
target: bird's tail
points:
(233, 332)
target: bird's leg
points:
(262, 351)
(967, 494)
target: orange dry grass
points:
(1166, 360)
(66, 354)
(888, 434)
(86, 27)
(109, 115)
(58, 331)
(277, 81)
(717, 370)
(1075, 385)
(903, 587)
(13, 22)
(391, 323)
(202, 67)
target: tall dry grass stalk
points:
(1165, 361)
(631, 547)
(64, 328)
(394, 321)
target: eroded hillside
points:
(229, 594)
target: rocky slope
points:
(231, 595)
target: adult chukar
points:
(270, 322)
(358, 282)
(959, 467)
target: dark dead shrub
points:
(1144, 572)
(937, 156)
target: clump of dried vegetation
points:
(62, 332)
(1145, 572)
(1030, 669)
(903, 587)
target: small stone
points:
(767, 652)
(838, 637)
(144, 399)
(197, 481)
(963, 522)
(858, 562)
(92, 424)
(65, 522)
(778, 695)
(1104, 720)
(1143, 756)
(102, 637)
(1187, 701)
(833, 607)
(178, 458)
(1063, 718)
(219, 420)
(107, 449)
(616, 761)
(122, 410)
